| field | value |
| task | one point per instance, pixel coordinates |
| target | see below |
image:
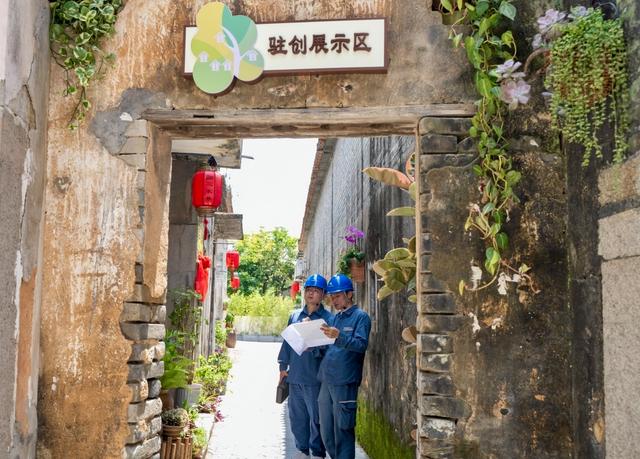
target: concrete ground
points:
(255, 426)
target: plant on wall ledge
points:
(398, 267)
(75, 34)
(351, 262)
(586, 76)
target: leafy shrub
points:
(221, 334)
(257, 305)
(176, 366)
(212, 373)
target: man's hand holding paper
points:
(304, 335)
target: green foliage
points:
(75, 34)
(221, 334)
(186, 319)
(267, 305)
(199, 436)
(352, 253)
(213, 372)
(398, 267)
(588, 80)
(229, 319)
(489, 45)
(267, 261)
(176, 366)
(377, 436)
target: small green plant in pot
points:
(351, 262)
(174, 421)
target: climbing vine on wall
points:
(75, 35)
(499, 81)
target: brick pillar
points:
(442, 142)
(142, 322)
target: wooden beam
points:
(302, 122)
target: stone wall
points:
(619, 246)
(349, 197)
(494, 371)
(24, 75)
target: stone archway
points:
(105, 230)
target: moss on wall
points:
(377, 437)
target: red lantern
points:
(206, 190)
(233, 260)
(295, 288)
(235, 282)
(201, 284)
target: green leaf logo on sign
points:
(224, 49)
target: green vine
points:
(76, 30)
(491, 50)
(587, 77)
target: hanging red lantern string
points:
(233, 260)
(206, 190)
(235, 282)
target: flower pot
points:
(188, 395)
(231, 339)
(356, 270)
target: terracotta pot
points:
(232, 338)
(172, 431)
(356, 270)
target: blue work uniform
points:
(341, 373)
(304, 387)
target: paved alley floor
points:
(254, 425)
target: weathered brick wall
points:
(348, 197)
(494, 371)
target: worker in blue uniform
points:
(341, 370)
(301, 372)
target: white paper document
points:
(303, 335)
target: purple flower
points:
(508, 70)
(514, 92)
(550, 18)
(353, 234)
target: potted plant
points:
(176, 438)
(186, 320)
(230, 342)
(176, 370)
(199, 441)
(351, 261)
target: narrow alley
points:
(254, 425)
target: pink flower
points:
(508, 70)
(514, 92)
(550, 19)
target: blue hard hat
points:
(317, 281)
(339, 283)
